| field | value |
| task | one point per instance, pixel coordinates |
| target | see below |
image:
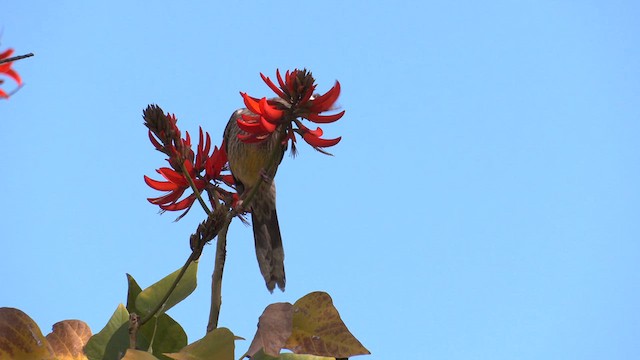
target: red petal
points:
(269, 112)
(252, 127)
(228, 179)
(325, 101)
(155, 141)
(251, 103)
(308, 95)
(14, 75)
(7, 53)
(173, 176)
(290, 80)
(268, 126)
(167, 199)
(317, 132)
(160, 185)
(273, 86)
(3, 94)
(324, 119)
(180, 205)
(282, 85)
(317, 142)
(215, 163)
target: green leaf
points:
(319, 330)
(150, 297)
(113, 340)
(132, 293)
(160, 334)
(169, 336)
(217, 344)
(138, 355)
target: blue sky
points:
(483, 203)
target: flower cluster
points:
(5, 69)
(202, 169)
(296, 100)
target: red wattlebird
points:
(248, 162)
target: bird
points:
(248, 162)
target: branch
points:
(134, 325)
(216, 278)
(19, 57)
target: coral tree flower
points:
(204, 168)
(295, 101)
(5, 69)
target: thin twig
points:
(195, 189)
(153, 312)
(19, 57)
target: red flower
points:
(204, 168)
(295, 100)
(6, 69)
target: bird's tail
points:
(268, 242)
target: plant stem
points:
(134, 325)
(216, 278)
(195, 189)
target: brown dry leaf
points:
(274, 328)
(20, 337)
(319, 330)
(68, 338)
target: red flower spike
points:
(324, 119)
(201, 169)
(295, 90)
